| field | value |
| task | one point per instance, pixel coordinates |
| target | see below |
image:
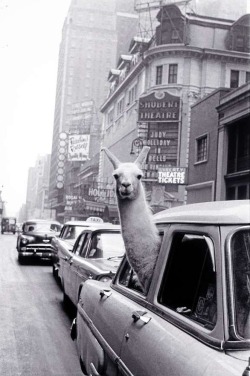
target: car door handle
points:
(105, 292)
(141, 315)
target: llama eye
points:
(115, 176)
(139, 177)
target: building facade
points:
(154, 86)
(92, 36)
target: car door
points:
(175, 332)
(76, 262)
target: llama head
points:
(128, 175)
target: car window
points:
(79, 244)
(240, 249)
(189, 281)
(105, 245)
(129, 279)
(85, 244)
(41, 227)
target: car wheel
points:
(54, 271)
(20, 258)
(66, 300)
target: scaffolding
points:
(147, 10)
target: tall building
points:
(37, 203)
(93, 35)
(154, 86)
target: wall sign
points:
(159, 106)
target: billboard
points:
(78, 147)
(172, 175)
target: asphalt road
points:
(34, 326)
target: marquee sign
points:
(160, 107)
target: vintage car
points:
(96, 254)
(195, 318)
(8, 224)
(64, 242)
(35, 239)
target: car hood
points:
(106, 265)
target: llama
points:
(140, 234)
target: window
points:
(120, 106)
(172, 73)
(240, 248)
(189, 281)
(129, 279)
(110, 117)
(106, 245)
(175, 36)
(79, 244)
(247, 76)
(201, 149)
(132, 94)
(159, 70)
(234, 79)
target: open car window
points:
(129, 279)
(189, 281)
(240, 253)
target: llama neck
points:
(135, 216)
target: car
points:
(8, 224)
(96, 254)
(64, 242)
(195, 318)
(35, 239)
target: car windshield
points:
(41, 227)
(241, 274)
(72, 232)
(106, 245)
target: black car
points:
(35, 239)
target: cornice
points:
(161, 51)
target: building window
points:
(110, 117)
(120, 106)
(234, 79)
(202, 148)
(240, 42)
(175, 36)
(159, 70)
(132, 95)
(172, 73)
(247, 76)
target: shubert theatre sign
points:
(158, 123)
(159, 106)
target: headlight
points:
(27, 239)
(105, 278)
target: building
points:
(37, 200)
(93, 35)
(154, 86)
(219, 159)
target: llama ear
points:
(142, 156)
(113, 159)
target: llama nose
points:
(126, 184)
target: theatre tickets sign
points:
(159, 106)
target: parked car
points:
(96, 254)
(64, 242)
(8, 224)
(195, 318)
(35, 239)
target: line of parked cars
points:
(195, 318)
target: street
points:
(35, 329)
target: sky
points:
(30, 35)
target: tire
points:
(54, 271)
(20, 258)
(66, 300)
(83, 368)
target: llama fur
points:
(140, 234)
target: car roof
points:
(42, 221)
(84, 223)
(102, 226)
(216, 212)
